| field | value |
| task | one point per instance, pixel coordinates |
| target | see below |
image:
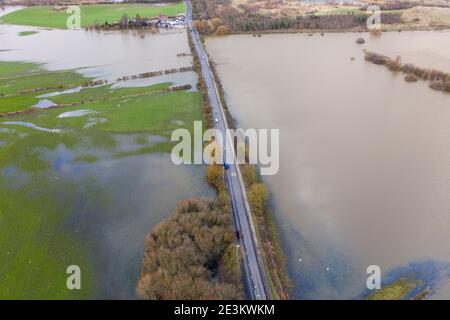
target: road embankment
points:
(210, 264)
(266, 229)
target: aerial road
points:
(256, 282)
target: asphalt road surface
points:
(255, 279)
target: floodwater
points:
(43, 104)
(99, 54)
(113, 202)
(30, 125)
(119, 201)
(364, 173)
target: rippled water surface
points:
(365, 157)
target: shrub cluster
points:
(187, 256)
(439, 80)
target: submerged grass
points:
(35, 251)
(21, 83)
(35, 247)
(27, 33)
(10, 69)
(395, 291)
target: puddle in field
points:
(57, 93)
(93, 121)
(43, 104)
(75, 113)
(31, 125)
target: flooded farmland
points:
(364, 156)
(85, 185)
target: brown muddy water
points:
(364, 156)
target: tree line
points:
(219, 17)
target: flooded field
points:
(99, 54)
(83, 185)
(364, 156)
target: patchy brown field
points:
(427, 16)
(289, 8)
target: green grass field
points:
(46, 16)
(35, 247)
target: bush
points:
(258, 196)
(214, 175)
(222, 30)
(410, 78)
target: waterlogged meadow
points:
(21, 84)
(85, 170)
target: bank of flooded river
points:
(364, 156)
(83, 185)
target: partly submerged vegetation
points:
(37, 198)
(124, 109)
(415, 281)
(34, 248)
(395, 291)
(438, 80)
(27, 33)
(22, 83)
(56, 17)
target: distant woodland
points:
(219, 17)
